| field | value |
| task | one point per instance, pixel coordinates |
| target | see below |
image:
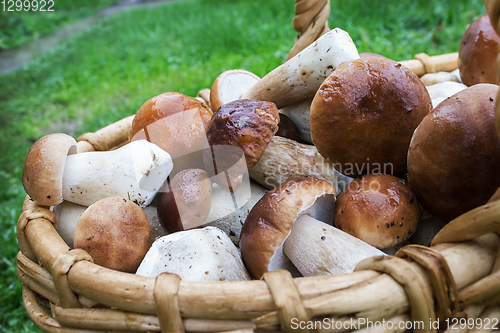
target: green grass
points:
(19, 26)
(106, 72)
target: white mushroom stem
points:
(286, 159)
(441, 91)
(317, 248)
(301, 76)
(135, 171)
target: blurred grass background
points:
(107, 71)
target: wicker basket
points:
(457, 278)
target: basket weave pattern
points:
(63, 291)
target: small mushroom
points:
(454, 153)
(238, 131)
(205, 254)
(317, 248)
(177, 124)
(301, 76)
(271, 219)
(135, 171)
(364, 114)
(378, 209)
(115, 232)
(477, 55)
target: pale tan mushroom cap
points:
(230, 86)
(44, 168)
(269, 222)
(115, 232)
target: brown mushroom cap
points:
(455, 153)
(378, 209)
(187, 203)
(269, 222)
(364, 114)
(177, 124)
(44, 168)
(478, 53)
(239, 128)
(115, 232)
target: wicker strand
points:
(479, 221)
(287, 299)
(60, 269)
(310, 21)
(418, 291)
(167, 303)
(443, 283)
(107, 137)
(34, 213)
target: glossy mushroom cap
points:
(44, 168)
(187, 203)
(115, 232)
(478, 53)
(239, 130)
(269, 222)
(177, 124)
(455, 153)
(364, 114)
(378, 209)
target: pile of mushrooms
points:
(288, 171)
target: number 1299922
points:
(27, 5)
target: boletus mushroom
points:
(454, 154)
(53, 172)
(364, 114)
(238, 134)
(177, 124)
(271, 219)
(378, 209)
(115, 232)
(478, 51)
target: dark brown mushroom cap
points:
(177, 124)
(455, 153)
(477, 55)
(115, 232)
(270, 220)
(44, 168)
(364, 114)
(238, 129)
(187, 203)
(378, 209)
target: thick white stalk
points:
(301, 76)
(317, 248)
(135, 171)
